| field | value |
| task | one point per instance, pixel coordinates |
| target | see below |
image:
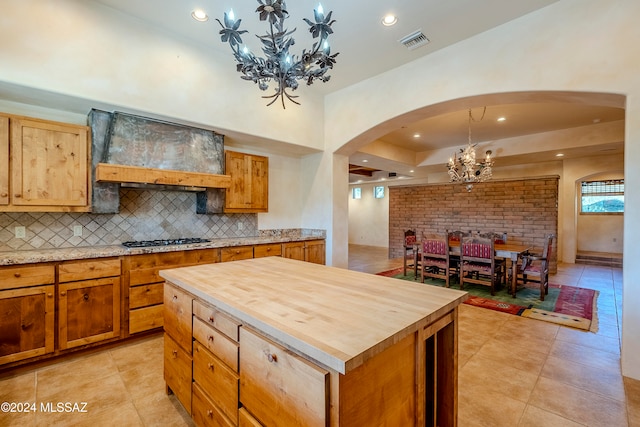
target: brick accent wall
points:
(526, 210)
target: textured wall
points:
(525, 209)
(144, 215)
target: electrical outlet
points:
(20, 232)
(77, 230)
(240, 226)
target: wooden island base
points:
(279, 342)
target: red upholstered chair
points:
(435, 257)
(536, 267)
(478, 264)
(409, 252)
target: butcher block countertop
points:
(336, 317)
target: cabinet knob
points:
(210, 338)
(212, 319)
(16, 274)
(210, 413)
(272, 358)
(237, 252)
(50, 295)
(4, 195)
(85, 297)
(174, 353)
(175, 298)
(63, 293)
(93, 267)
(210, 365)
(17, 196)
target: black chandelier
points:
(278, 64)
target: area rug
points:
(565, 305)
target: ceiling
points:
(368, 48)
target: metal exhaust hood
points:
(140, 152)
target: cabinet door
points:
(177, 371)
(315, 251)
(4, 160)
(178, 316)
(26, 323)
(49, 164)
(293, 250)
(89, 311)
(249, 190)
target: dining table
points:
(511, 251)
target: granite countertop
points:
(84, 252)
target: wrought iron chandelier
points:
(284, 68)
(465, 169)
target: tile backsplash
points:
(144, 215)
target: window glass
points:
(356, 192)
(378, 192)
(602, 196)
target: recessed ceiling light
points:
(411, 171)
(200, 15)
(416, 135)
(365, 161)
(560, 155)
(502, 119)
(389, 20)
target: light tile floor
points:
(512, 371)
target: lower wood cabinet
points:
(88, 302)
(178, 344)
(145, 286)
(26, 322)
(177, 371)
(310, 251)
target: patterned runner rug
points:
(564, 305)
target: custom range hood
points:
(134, 151)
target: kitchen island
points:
(274, 341)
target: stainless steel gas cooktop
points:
(164, 242)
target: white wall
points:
(369, 217)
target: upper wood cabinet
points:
(249, 191)
(46, 164)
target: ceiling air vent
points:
(414, 40)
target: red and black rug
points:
(564, 305)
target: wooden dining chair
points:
(409, 253)
(435, 258)
(478, 263)
(535, 267)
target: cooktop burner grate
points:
(164, 242)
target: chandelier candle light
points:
(278, 64)
(465, 169)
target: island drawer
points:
(218, 381)
(216, 318)
(298, 391)
(236, 253)
(23, 276)
(260, 251)
(73, 271)
(205, 412)
(217, 343)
